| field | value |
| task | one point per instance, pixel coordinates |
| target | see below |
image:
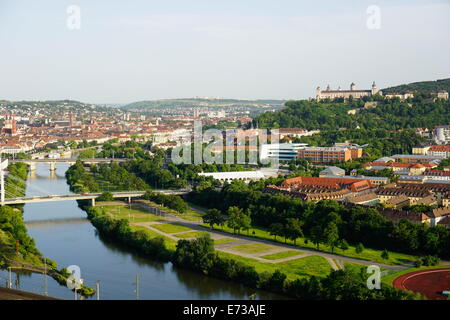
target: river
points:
(63, 233)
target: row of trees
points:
(120, 230)
(326, 222)
(199, 255)
(103, 177)
(168, 200)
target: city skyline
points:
(150, 50)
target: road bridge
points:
(86, 196)
(52, 162)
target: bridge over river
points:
(68, 197)
(52, 162)
(85, 196)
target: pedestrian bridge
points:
(86, 196)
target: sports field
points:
(430, 283)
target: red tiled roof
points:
(440, 148)
(400, 165)
(353, 184)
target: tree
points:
(385, 255)
(331, 235)
(316, 235)
(276, 229)
(359, 248)
(343, 245)
(293, 229)
(213, 217)
(106, 196)
(197, 254)
(246, 221)
(235, 218)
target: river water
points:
(63, 233)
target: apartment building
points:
(439, 150)
(329, 154)
(415, 158)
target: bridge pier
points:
(32, 166)
(52, 166)
(129, 199)
(3, 166)
(93, 202)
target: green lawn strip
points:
(190, 215)
(189, 235)
(137, 213)
(196, 206)
(294, 269)
(354, 266)
(252, 248)
(170, 243)
(171, 227)
(282, 255)
(223, 240)
(367, 254)
(388, 279)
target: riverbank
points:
(293, 278)
(195, 250)
(18, 250)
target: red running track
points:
(430, 283)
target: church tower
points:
(374, 88)
(318, 94)
(353, 86)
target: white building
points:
(280, 151)
(441, 134)
(235, 175)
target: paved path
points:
(336, 261)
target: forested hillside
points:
(389, 114)
(387, 128)
(422, 86)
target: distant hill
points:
(423, 86)
(197, 102)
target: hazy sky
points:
(135, 50)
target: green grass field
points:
(190, 215)
(170, 243)
(190, 235)
(252, 248)
(282, 255)
(302, 267)
(298, 268)
(137, 213)
(367, 254)
(223, 240)
(171, 227)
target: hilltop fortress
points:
(346, 94)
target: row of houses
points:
(354, 190)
